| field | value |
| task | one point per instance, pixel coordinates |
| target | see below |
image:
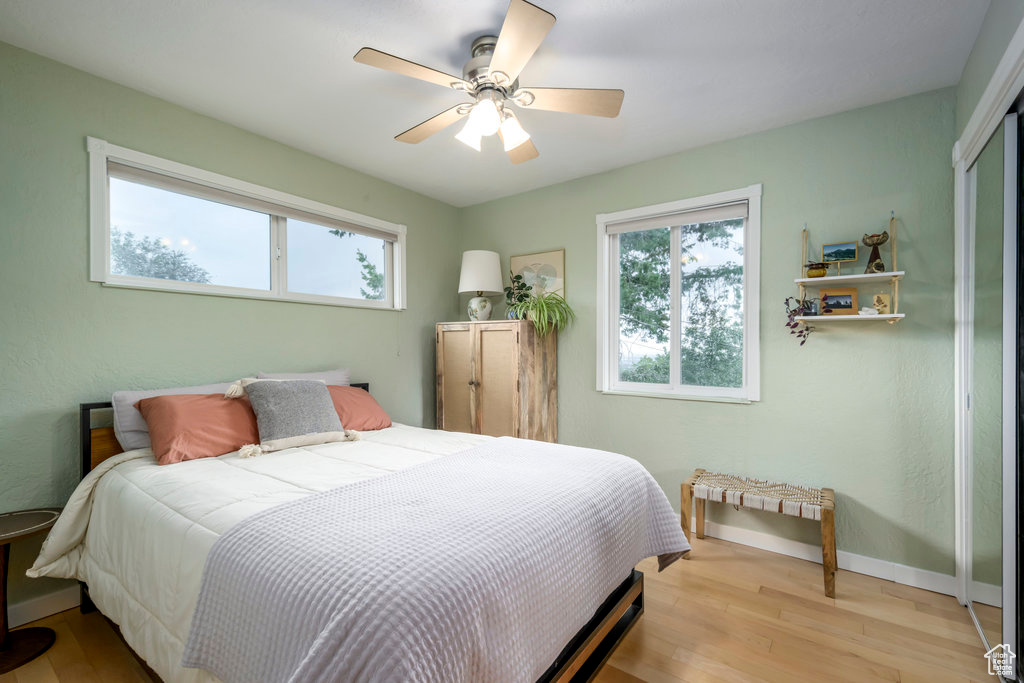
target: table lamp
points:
(481, 273)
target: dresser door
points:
(497, 374)
(455, 347)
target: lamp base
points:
(479, 308)
(24, 645)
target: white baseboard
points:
(26, 611)
(861, 564)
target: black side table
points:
(21, 646)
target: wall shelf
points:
(891, 278)
(891, 317)
(851, 279)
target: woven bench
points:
(786, 499)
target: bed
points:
(137, 535)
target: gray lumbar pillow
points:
(293, 413)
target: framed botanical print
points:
(544, 271)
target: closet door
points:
(985, 588)
(990, 443)
(455, 347)
(497, 371)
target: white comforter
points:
(139, 533)
(476, 567)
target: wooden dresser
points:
(497, 377)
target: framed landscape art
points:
(840, 301)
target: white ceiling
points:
(694, 71)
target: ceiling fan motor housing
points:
(478, 69)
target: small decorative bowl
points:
(817, 269)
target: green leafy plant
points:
(518, 291)
(547, 312)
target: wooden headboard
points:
(100, 443)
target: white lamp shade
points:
(484, 118)
(469, 136)
(512, 133)
(481, 272)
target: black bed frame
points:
(579, 660)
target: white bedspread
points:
(476, 567)
(139, 533)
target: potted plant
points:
(547, 312)
(803, 307)
(516, 293)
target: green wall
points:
(1000, 23)
(65, 340)
(865, 408)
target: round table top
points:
(15, 525)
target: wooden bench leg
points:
(701, 502)
(685, 508)
(828, 540)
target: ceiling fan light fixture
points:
(485, 117)
(512, 133)
(491, 79)
(469, 136)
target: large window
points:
(160, 225)
(678, 298)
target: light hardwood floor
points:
(730, 613)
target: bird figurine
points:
(875, 264)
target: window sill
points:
(232, 293)
(678, 397)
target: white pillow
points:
(337, 378)
(130, 427)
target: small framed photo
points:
(838, 301)
(840, 252)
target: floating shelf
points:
(891, 317)
(851, 279)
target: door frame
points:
(999, 96)
(965, 188)
(1011, 189)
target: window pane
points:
(334, 262)
(169, 236)
(711, 305)
(644, 306)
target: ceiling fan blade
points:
(523, 152)
(522, 33)
(382, 60)
(421, 132)
(576, 100)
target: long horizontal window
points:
(678, 302)
(157, 224)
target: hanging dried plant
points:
(802, 307)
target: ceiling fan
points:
(491, 78)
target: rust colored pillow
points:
(357, 409)
(190, 426)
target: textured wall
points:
(1001, 22)
(65, 340)
(866, 408)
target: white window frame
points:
(101, 151)
(608, 302)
